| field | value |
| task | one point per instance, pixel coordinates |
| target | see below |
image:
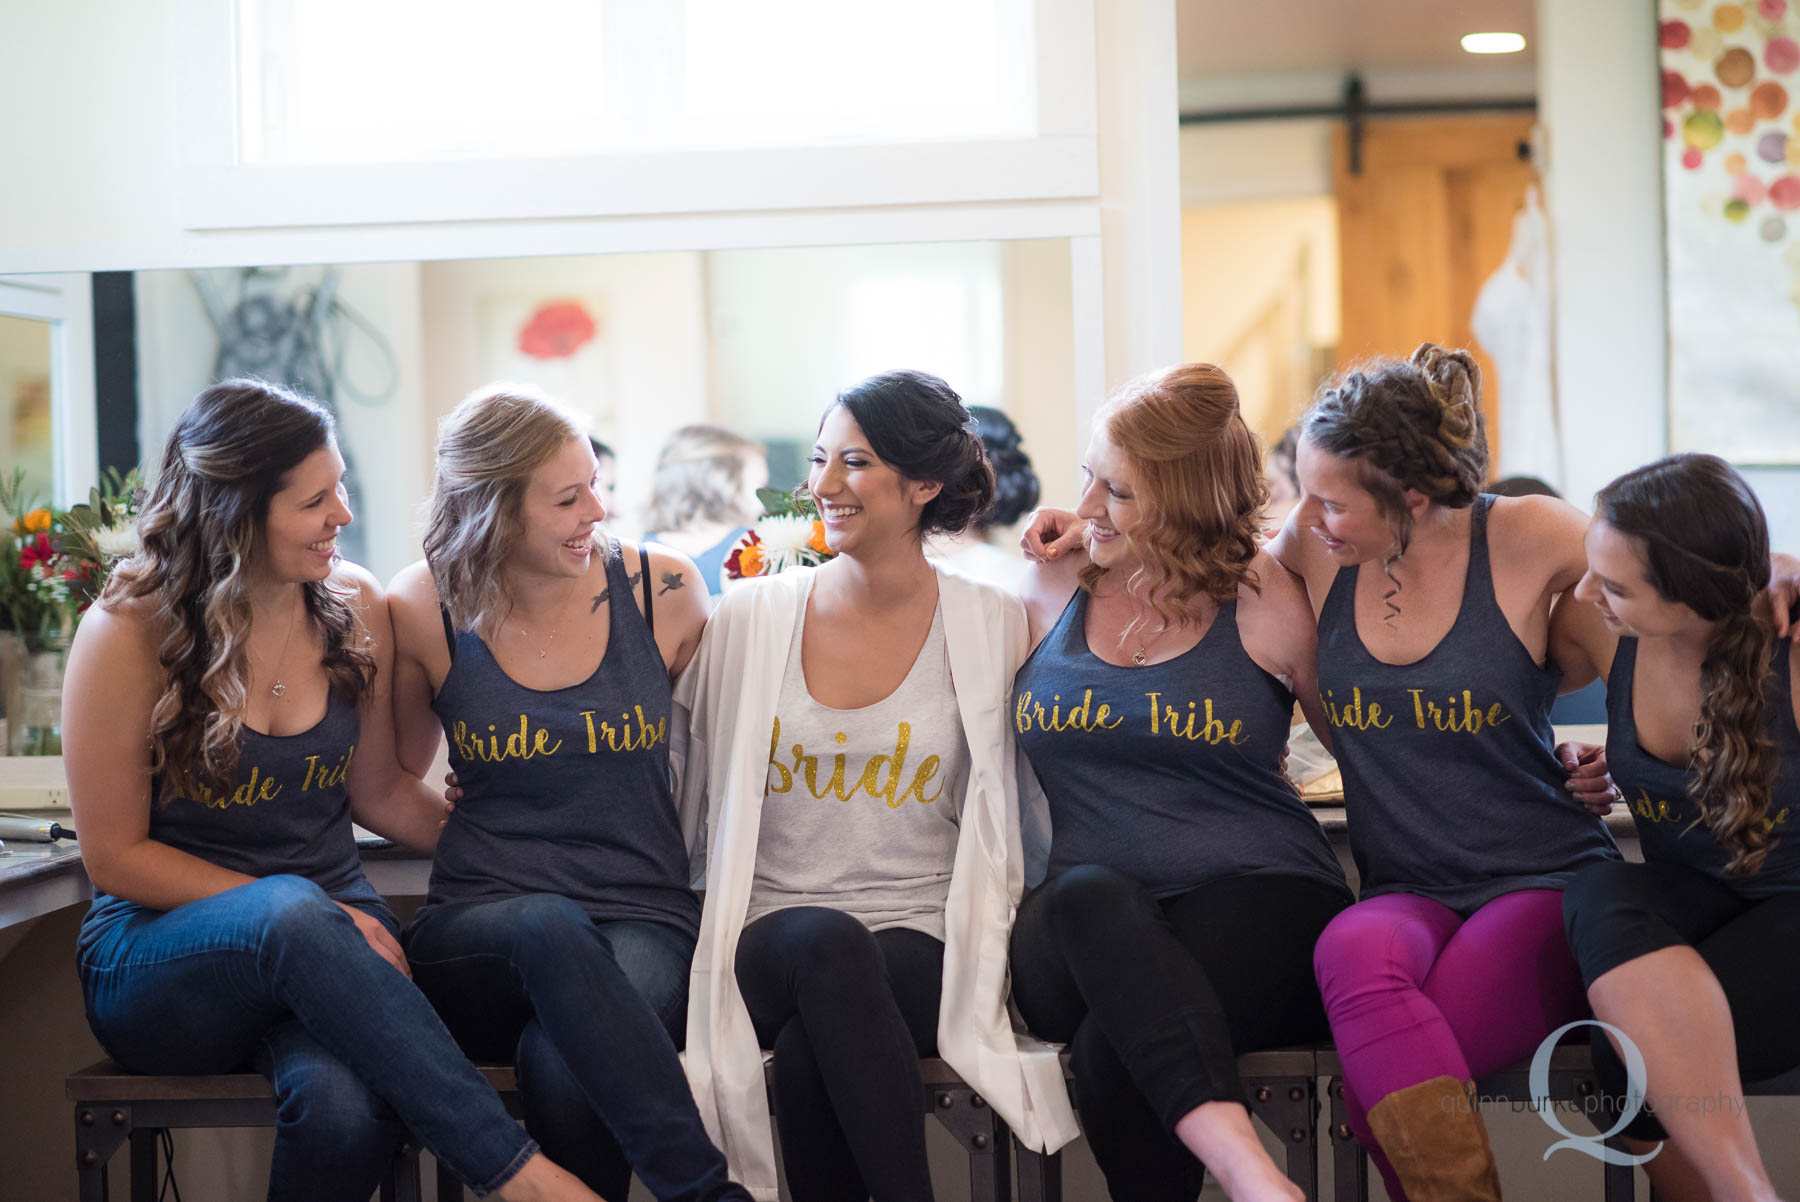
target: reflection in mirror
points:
(756, 341)
(25, 425)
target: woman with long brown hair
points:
(1691, 954)
(225, 715)
(1187, 881)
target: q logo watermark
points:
(1591, 1145)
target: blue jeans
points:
(589, 1012)
(274, 975)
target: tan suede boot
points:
(1433, 1135)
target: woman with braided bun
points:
(1690, 953)
(1437, 684)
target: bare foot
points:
(542, 1180)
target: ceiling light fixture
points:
(1493, 43)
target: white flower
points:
(116, 542)
(784, 539)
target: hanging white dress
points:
(1512, 321)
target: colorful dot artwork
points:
(1729, 71)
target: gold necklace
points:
(544, 651)
(279, 688)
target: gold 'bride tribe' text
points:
(870, 782)
(1193, 721)
(322, 772)
(526, 743)
(1455, 715)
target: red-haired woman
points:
(1187, 881)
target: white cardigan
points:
(724, 709)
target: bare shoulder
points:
(1046, 589)
(670, 570)
(1302, 554)
(357, 584)
(1275, 617)
(1534, 526)
(131, 629)
(412, 606)
(413, 592)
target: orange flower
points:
(750, 560)
(817, 542)
(36, 522)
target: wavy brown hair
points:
(1199, 485)
(488, 446)
(201, 540)
(1705, 544)
(1406, 425)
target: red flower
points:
(35, 550)
(557, 330)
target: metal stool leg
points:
(966, 1115)
(1349, 1163)
(401, 1184)
(143, 1164)
(1289, 1108)
(1040, 1176)
(99, 1130)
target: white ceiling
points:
(1255, 37)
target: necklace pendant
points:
(1139, 656)
(279, 689)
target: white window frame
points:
(220, 192)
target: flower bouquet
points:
(53, 564)
(789, 534)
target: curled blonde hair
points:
(488, 447)
(1415, 424)
(200, 538)
(700, 477)
(1200, 488)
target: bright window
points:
(345, 82)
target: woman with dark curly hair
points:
(1187, 881)
(1691, 954)
(225, 715)
(864, 834)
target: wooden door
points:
(1422, 225)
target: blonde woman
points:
(225, 714)
(559, 926)
(704, 496)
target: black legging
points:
(1617, 912)
(1158, 998)
(847, 1014)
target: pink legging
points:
(1414, 991)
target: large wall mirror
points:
(757, 341)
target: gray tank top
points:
(1670, 826)
(862, 807)
(1451, 783)
(1169, 773)
(287, 812)
(566, 791)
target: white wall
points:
(652, 368)
(389, 441)
(1599, 99)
